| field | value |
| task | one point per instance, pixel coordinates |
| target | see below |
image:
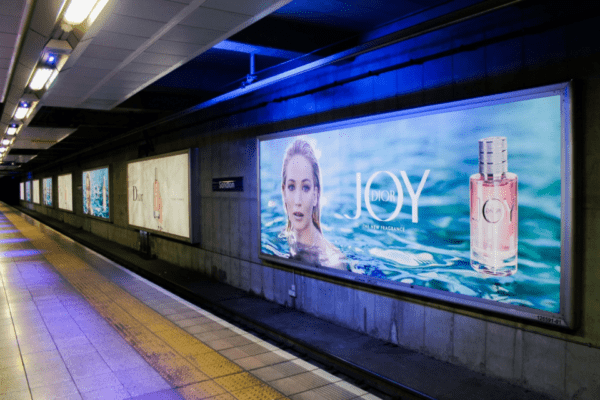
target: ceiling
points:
(136, 64)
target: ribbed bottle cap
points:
(493, 156)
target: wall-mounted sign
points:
(159, 194)
(22, 191)
(28, 191)
(65, 192)
(47, 191)
(458, 202)
(228, 184)
(96, 193)
(36, 191)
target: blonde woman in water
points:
(301, 192)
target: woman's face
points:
(299, 192)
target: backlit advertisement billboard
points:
(36, 191)
(28, 190)
(466, 202)
(158, 194)
(96, 194)
(22, 191)
(65, 192)
(47, 191)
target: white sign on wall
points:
(65, 192)
(36, 191)
(158, 194)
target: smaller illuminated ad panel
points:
(459, 202)
(47, 190)
(96, 193)
(65, 192)
(28, 191)
(22, 190)
(159, 194)
(36, 191)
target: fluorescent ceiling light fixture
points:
(5, 142)
(12, 129)
(2, 149)
(52, 78)
(96, 11)
(22, 110)
(79, 10)
(40, 77)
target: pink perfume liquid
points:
(494, 223)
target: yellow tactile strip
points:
(182, 360)
(194, 354)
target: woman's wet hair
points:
(303, 148)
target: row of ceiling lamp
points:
(49, 65)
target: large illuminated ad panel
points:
(414, 201)
(28, 191)
(36, 191)
(47, 191)
(22, 191)
(159, 194)
(96, 193)
(65, 192)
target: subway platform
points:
(76, 324)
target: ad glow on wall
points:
(28, 190)
(47, 190)
(65, 192)
(398, 201)
(158, 194)
(96, 193)
(22, 190)
(36, 191)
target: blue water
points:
(98, 178)
(434, 252)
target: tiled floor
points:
(73, 325)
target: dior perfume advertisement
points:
(65, 192)
(159, 194)
(28, 191)
(47, 190)
(463, 198)
(36, 191)
(95, 187)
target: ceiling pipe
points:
(411, 32)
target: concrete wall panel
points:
(439, 329)
(544, 363)
(469, 346)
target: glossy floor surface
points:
(74, 325)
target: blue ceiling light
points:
(22, 110)
(12, 129)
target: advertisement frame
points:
(194, 195)
(28, 183)
(565, 318)
(58, 194)
(33, 187)
(43, 200)
(110, 194)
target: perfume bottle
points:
(104, 194)
(88, 193)
(494, 211)
(157, 203)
